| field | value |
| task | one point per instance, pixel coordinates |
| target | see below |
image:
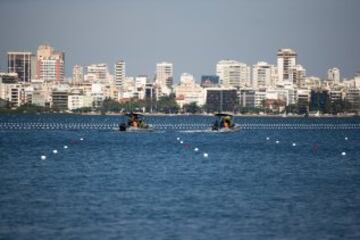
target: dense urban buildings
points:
(39, 79)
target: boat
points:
(224, 123)
(135, 123)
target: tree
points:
(167, 104)
(192, 108)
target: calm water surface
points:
(116, 185)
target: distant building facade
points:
(22, 64)
(50, 64)
(233, 73)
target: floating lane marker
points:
(181, 142)
(277, 142)
(55, 151)
(43, 157)
(343, 153)
(196, 149)
(81, 139)
(267, 138)
(206, 155)
(294, 144)
(178, 138)
(346, 138)
(65, 147)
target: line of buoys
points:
(168, 126)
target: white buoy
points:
(294, 144)
(277, 141)
(55, 151)
(178, 138)
(267, 138)
(343, 153)
(196, 149)
(43, 157)
(181, 142)
(65, 147)
(81, 139)
(346, 138)
(206, 155)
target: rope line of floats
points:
(159, 126)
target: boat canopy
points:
(134, 114)
(223, 115)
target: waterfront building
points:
(120, 73)
(188, 91)
(140, 85)
(38, 98)
(209, 81)
(150, 97)
(221, 99)
(286, 61)
(50, 64)
(260, 97)
(59, 97)
(336, 95)
(334, 75)
(233, 73)
(297, 77)
(247, 98)
(303, 96)
(164, 74)
(22, 64)
(77, 74)
(353, 98)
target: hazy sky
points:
(193, 34)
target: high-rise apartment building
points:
(334, 75)
(263, 75)
(21, 63)
(120, 72)
(286, 61)
(50, 64)
(78, 74)
(233, 73)
(164, 74)
(100, 71)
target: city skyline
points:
(192, 36)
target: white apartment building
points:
(99, 71)
(120, 72)
(334, 75)
(233, 73)
(263, 75)
(164, 74)
(77, 74)
(286, 61)
(188, 91)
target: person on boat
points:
(227, 122)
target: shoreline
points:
(186, 114)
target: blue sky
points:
(194, 35)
